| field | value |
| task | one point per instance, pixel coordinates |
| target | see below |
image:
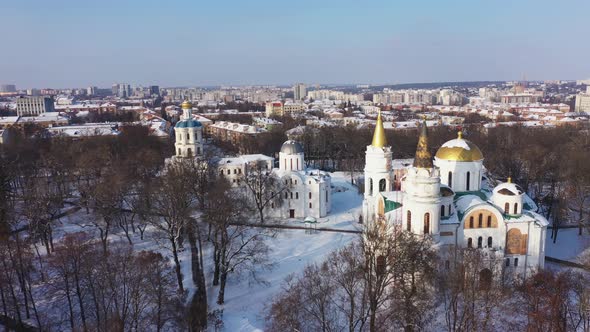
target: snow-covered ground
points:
(291, 250)
(569, 245)
(245, 301)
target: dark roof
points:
(191, 123)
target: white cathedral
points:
(450, 199)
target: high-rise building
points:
(7, 88)
(91, 91)
(583, 101)
(154, 90)
(299, 91)
(34, 105)
(33, 92)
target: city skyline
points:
(69, 44)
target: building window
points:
(467, 178)
(188, 136)
(370, 187)
(326, 196)
(221, 172)
(450, 179)
(295, 181)
(450, 209)
(479, 242)
(489, 241)
(291, 195)
(239, 171)
(286, 195)
(480, 221)
(297, 195)
(382, 185)
(309, 195)
(469, 243)
(516, 261)
(471, 222)
(235, 171)
(409, 221)
(506, 208)
(489, 221)
(228, 171)
(291, 164)
(515, 208)
(442, 210)
(507, 261)
(426, 223)
(310, 205)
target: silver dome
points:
(291, 147)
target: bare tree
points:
(264, 187)
(236, 247)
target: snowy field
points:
(569, 245)
(291, 250)
(245, 301)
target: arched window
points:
(489, 241)
(471, 222)
(516, 261)
(409, 221)
(480, 221)
(285, 163)
(450, 209)
(229, 171)
(450, 179)
(479, 242)
(187, 136)
(506, 208)
(189, 152)
(382, 185)
(426, 223)
(297, 163)
(515, 208)
(489, 221)
(198, 150)
(291, 164)
(286, 195)
(370, 187)
(179, 151)
(467, 178)
(442, 210)
(310, 195)
(297, 195)
(507, 261)
(469, 243)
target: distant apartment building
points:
(294, 108)
(223, 131)
(154, 90)
(91, 90)
(33, 92)
(27, 106)
(519, 98)
(274, 108)
(299, 91)
(7, 88)
(326, 95)
(583, 102)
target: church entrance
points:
(292, 213)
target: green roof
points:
(390, 205)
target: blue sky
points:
(65, 43)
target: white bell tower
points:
(378, 175)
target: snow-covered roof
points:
(508, 188)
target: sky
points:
(67, 43)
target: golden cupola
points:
(186, 105)
(379, 139)
(423, 158)
(459, 149)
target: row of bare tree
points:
(394, 281)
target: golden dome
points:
(379, 139)
(459, 149)
(186, 105)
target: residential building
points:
(34, 105)
(299, 91)
(583, 102)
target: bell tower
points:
(421, 187)
(378, 174)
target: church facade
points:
(449, 198)
(304, 192)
